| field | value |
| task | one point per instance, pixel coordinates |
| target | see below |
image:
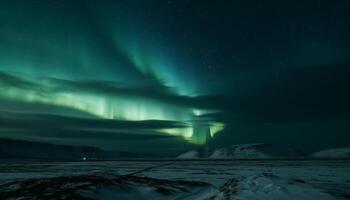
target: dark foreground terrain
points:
(240, 179)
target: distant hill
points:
(21, 149)
(333, 153)
(243, 151)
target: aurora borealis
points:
(165, 76)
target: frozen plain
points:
(203, 179)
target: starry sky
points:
(165, 76)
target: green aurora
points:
(51, 62)
(163, 77)
(116, 106)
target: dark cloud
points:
(138, 136)
(11, 105)
(14, 81)
(47, 121)
(135, 136)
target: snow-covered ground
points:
(333, 153)
(211, 179)
(242, 151)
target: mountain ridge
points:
(242, 151)
(24, 149)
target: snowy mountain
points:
(333, 153)
(20, 149)
(244, 151)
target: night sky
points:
(166, 76)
